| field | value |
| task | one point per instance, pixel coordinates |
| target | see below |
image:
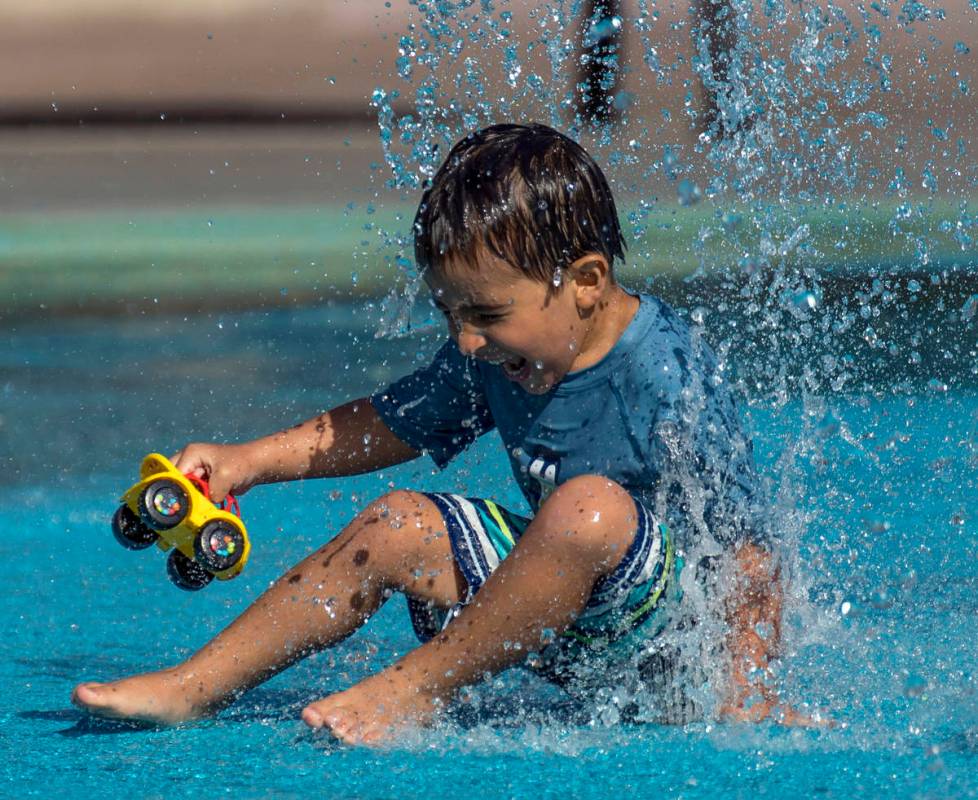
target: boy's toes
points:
(312, 717)
(86, 695)
(342, 723)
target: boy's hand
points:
(772, 708)
(227, 468)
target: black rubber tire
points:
(129, 530)
(186, 573)
(152, 516)
(207, 547)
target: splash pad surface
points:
(861, 397)
(878, 626)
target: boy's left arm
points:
(754, 641)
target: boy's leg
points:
(579, 535)
(396, 543)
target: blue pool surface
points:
(880, 490)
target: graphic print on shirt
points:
(544, 468)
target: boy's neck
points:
(608, 321)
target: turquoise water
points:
(861, 395)
(876, 489)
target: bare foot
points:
(165, 697)
(372, 711)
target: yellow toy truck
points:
(173, 511)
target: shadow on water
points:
(283, 706)
(261, 705)
(963, 742)
(85, 724)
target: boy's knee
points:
(399, 525)
(392, 512)
(608, 501)
(593, 511)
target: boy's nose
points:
(470, 341)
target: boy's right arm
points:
(348, 440)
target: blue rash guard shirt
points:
(654, 415)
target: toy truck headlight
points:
(164, 504)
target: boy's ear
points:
(591, 275)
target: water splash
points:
(802, 172)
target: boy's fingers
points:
(220, 484)
(179, 458)
(793, 718)
(189, 464)
(219, 490)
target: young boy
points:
(614, 417)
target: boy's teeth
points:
(514, 367)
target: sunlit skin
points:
(543, 585)
(536, 333)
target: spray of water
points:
(799, 174)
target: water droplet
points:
(689, 193)
(969, 308)
(915, 686)
(764, 630)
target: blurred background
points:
(174, 153)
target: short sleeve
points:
(440, 409)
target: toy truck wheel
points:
(186, 573)
(163, 504)
(130, 531)
(219, 545)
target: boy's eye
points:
(486, 317)
(477, 317)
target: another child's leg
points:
(396, 543)
(579, 535)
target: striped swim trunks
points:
(482, 533)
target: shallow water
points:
(877, 491)
(864, 413)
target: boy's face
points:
(497, 314)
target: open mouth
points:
(517, 369)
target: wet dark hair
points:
(527, 193)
